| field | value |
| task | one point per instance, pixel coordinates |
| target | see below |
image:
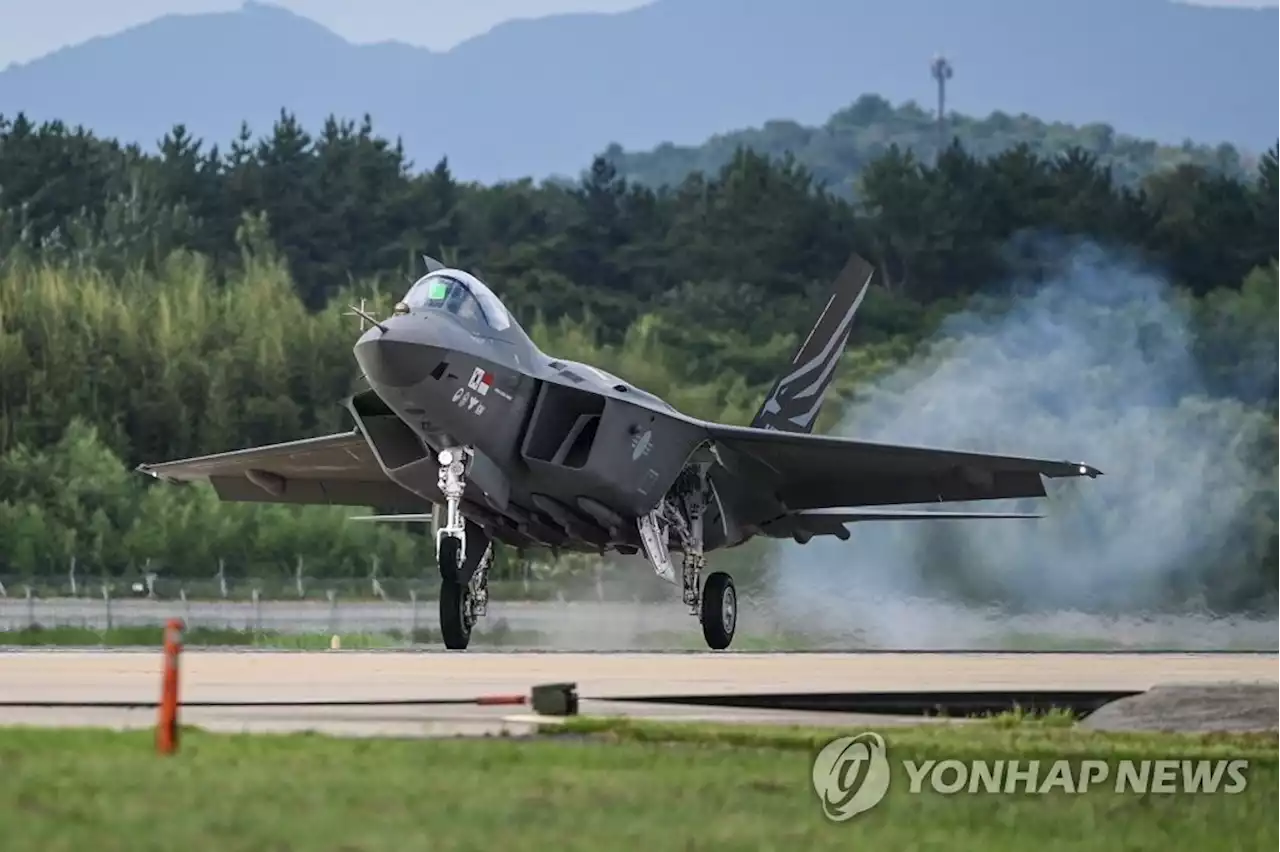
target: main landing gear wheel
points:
(456, 618)
(719, 613)
(681, 512)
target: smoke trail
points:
(1096, 365)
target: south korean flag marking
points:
(480, 381)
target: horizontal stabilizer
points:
(803, 526)
(849, 516)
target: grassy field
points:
(488, 634)
(497, 635)
(595, 786)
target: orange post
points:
(167, 723)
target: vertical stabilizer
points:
(795, 399)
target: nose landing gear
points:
(464, 571)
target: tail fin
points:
(793, 403)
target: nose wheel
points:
(719, 611)
(456, 604)
(464, 571)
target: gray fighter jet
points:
(464, 412)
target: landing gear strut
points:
(716, 604)
(464, 572)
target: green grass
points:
(1015, 734)
(488, 634)
(596, 785)
(497, 635)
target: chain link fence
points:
(260, 618)
(226, 609)
(571, 577)
(602, 607)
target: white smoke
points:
(1093, 366)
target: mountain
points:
(540, 97)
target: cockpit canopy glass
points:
(464, 296)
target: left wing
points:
(819, 471)
(337, 470)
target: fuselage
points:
(564, 452)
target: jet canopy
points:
(460, 294)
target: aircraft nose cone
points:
(394, 363)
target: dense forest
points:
(854, 137)
(155, 305)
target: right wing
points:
(337, 470)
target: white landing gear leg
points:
(690, 528)
(457, 598)
(716, 604)
(480, 585)
(452, 481)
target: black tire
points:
(453, 599)
(447, 560)
(451, 567)
(719, 614)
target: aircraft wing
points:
(337, 470)
(809, 471)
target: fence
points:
(572, 574)
(596, 602)
(619, 608)
(416, 618)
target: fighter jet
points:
(464, 414)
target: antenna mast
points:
(941, 70)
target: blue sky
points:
(33, 28)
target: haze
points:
(33, 30)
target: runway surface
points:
(104, 676)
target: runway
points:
(226, 676)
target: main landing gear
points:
(464, 570)
(464, 553)
(716, 603)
